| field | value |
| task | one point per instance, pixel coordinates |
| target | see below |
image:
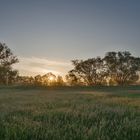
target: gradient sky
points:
(47, 34)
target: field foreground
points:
(69, 114)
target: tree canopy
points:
(91, 71)
(119, 67)
(7, 59)
(122, 67)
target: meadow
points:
(70, 113)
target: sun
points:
(51, 78)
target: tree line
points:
(48, 79)
(115, 68)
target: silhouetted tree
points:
(60, 81)
(38, 80)
(122, 67)
(7, 59)
(72, 79)
(25, 80)
(91, 71)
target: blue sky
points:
(47, 34)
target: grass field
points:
(100, 113)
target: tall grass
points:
(69, 114)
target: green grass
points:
(64, 113)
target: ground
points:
(80, 113)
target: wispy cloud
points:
(34, 65)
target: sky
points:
(47, 34)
